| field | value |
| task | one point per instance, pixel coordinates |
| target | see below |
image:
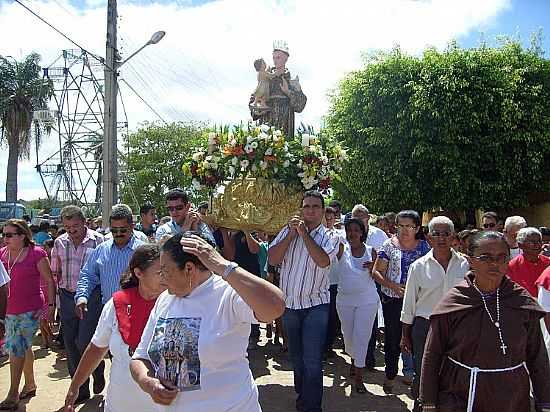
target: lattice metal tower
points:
(73, 172)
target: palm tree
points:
(22, 91)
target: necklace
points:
(503, 347)
(10, 268)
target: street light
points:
(155, 38)
(110, 151)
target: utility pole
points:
(110, 161)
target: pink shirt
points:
(24, 293)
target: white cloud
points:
(203, 68)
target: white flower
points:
(254, 168)
(232, 142)
(312, 149)
(249, 139)
(231, 170)
(263, 136)
(300, 163)
(308, 182)
(324, 159)
(216, 159)
(234, 161)
(277, 133)
(197, 157)
(275, 169)
(264, 128)
(269, 151)
(286, 163)
(254, 145)
(248, 148)
(208, 158)
(244, 164)
(305, 140)
(263, 165)
(196, 184)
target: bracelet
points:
(228, 269)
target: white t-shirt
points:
(356, 286)
(376, 238)
(333, 275)
(4, 277)
(544, 301)
(123, 393)
(199, 343)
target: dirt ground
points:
(270, 367)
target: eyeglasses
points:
(500, 259)
(489, 225)
(9, 235)
(122, 230)
(440, 234)
(174, 208)
(406, 227)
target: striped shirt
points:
(303, 282)
(104, 267)
(67, 261)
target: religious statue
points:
(261, 94)
(285, 96)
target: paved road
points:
(270, 368)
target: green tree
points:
(23, 90)
(154, 160)
(459, 129)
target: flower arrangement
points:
(261, 151)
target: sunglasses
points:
(174, 208)
(489, 225)
(9, 235)
(122, 230)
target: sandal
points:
(360, 388)
(9, 405)
(27, 394)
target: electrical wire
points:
(144, 101)
(100, 59)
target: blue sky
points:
(202, 70)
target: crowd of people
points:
(466, 312)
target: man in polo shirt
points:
(148, 223)
(430, 277)
(182, 218)
(304, 248)
(70, 253)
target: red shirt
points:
(526, 273)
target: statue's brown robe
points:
(460, 328)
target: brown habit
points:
(461, 329)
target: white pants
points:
(357, 324)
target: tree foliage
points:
(154, 158)
(23, 90)
(460, 128)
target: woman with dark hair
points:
(119, 331)
(390, 271)
(485, 343)
(25, 264)
(208, 308)
(357, 299)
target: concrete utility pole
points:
(110, 161)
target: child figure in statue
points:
(261, 94)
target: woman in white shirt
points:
(357, 300)
(119, 331)
(203, 322)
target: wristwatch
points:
(229, 269)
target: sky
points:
(203, 69)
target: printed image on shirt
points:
(174, 352)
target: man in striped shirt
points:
(70, 252)
(305, 248)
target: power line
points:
(100, 59)
(143, 100)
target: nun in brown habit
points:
(485, 341)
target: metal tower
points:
(73, 172)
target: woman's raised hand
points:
(208, 256)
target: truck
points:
(11, 210)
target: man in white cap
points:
(286, 96)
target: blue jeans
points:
(78, 333)
(306, 331)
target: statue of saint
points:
(285, 95)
